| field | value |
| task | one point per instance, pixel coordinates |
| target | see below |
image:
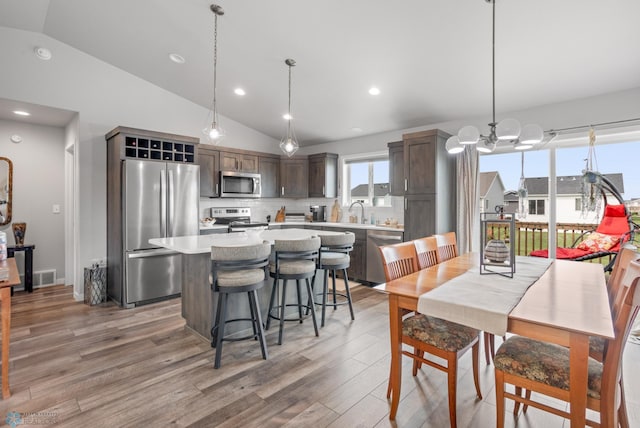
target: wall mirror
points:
(6, 190)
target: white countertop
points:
(199, 244)
(342, 225)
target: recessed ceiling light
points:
(43, 53)
(239, 91)
(356, 129)
(178, 59)
(15, 138)
(287, 116)
(374, 91)
(21, 113)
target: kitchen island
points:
(197, 300)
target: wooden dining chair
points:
(448, 249)
(435, 336)
(427, 251)
(544, 367)
(598, 345)
(398, 260)
(447, 246)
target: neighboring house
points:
(634, 205)
(381, 196)
(568, 199)
(491, 191)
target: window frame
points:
(345, 177)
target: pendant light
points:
(213, 132)
(505, 130)
(523, 194)
(289, 144)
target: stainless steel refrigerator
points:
(159, 199)
(153, 191)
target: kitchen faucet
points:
(361, 206)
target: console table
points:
(28, 263)
(5, 314)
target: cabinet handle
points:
(405, 204)
(217, 189)
(282, 191)
(323, 191)
(405, 184)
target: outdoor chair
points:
(615, 228)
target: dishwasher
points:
(375, 239)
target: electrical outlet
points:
(56, 208)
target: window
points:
(578, 204)
(368, 181)
(536, 206)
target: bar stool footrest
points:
(236, 339)
(292, 305)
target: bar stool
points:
(294, 259)
(238, 270)
(334, 256)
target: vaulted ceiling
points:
(431, 59)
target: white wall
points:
(38, 184)
(105, 97)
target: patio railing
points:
(533, 236)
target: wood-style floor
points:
(82, 366)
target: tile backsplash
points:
(260, 208)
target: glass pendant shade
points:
(468, 135)
(289, 146)
(508, 129)
(214, 133)
(453, 145)
(531, 134)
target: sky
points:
(611, 158)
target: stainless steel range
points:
(238, 219)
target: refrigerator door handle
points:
(171, 197)
(151, 253)
(163, 204)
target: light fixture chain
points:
(493, 59)
(215, 66)
(290, 117)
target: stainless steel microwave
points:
(239, 185)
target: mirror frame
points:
(7, 218)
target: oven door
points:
(248, 227)
(239, 185)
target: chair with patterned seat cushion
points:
(238, 270)
(443, 339)
(334, 256)
(294, 259)
(544, 367)
(429, 250)
(598, 345)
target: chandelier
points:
(288, 144)
(213, 132)
(507, 130)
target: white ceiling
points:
(430, 58)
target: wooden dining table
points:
(5, 315)
(566, 305)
